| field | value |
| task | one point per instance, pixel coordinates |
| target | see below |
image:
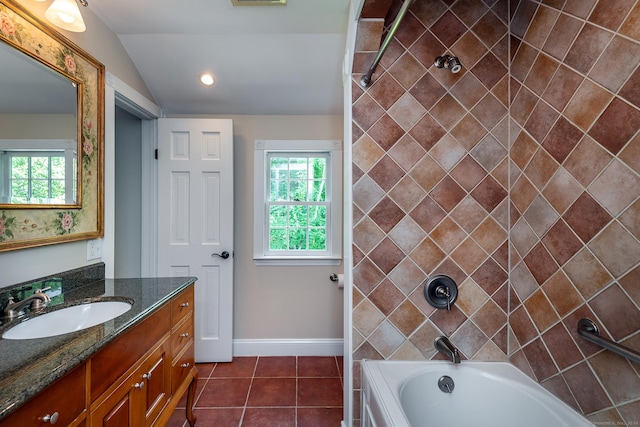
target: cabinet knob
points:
(51, 419)
(185, 335)
(185, 365)
(184, 304)
(139, 385)
(147, 376)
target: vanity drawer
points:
(113, 360)
(66, 397)
(182, 366)
(181, 336)
(181, 305)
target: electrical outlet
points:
(94, 249)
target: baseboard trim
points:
(288, 347)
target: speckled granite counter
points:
(28, 366)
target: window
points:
(298, 202)
(37, 178)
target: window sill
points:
(297, 261)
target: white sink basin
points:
(69, 319)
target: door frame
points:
(118, 93)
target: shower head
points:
(452, 63)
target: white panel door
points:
(195, 223)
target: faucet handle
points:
(43, 300)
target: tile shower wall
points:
(430, 172)
(540, 148)
(575, 212)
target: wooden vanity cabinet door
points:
(157, 374)
(140, 398)
(66, 397)
(117, 410)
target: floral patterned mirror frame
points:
(23, 228)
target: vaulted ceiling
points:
(281, 60)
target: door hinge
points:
(156, 154)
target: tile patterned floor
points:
(290, 391)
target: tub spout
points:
(444, 346)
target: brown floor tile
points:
(276, 367)
(224, 392)
(199, 387)
(240, 367)
(267, 391)
(319, 392)
(309, 366)
(227, 417)
(319, 417)
(269, 417)
(272, 392)
(205, 369)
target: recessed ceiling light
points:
(207, 79)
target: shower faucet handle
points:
(442, 291)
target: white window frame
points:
(42, 148)
(262, 149)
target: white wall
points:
(278, 302)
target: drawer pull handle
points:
(139, 385)
(185, 365)
(184, 304)
(51, 419)
(185, 335)
(147, 376)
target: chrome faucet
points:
(444, 346)
(35, 302)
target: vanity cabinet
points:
(139, 398)
(182, 324)
(62, 403)
(136, 380)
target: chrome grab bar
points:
(588, 330)
(366, 79)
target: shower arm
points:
(366, 79)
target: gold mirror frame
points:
(23, 228)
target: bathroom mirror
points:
(51, 135)
(39, 133)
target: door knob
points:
(223, 255)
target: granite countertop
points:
(28, 366)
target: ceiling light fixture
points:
(207, 79)
(66, 15)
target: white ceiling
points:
(281, 60)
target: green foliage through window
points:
(37, 178)
(297, 202)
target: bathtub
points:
(483, 394)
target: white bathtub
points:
(495, 394)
